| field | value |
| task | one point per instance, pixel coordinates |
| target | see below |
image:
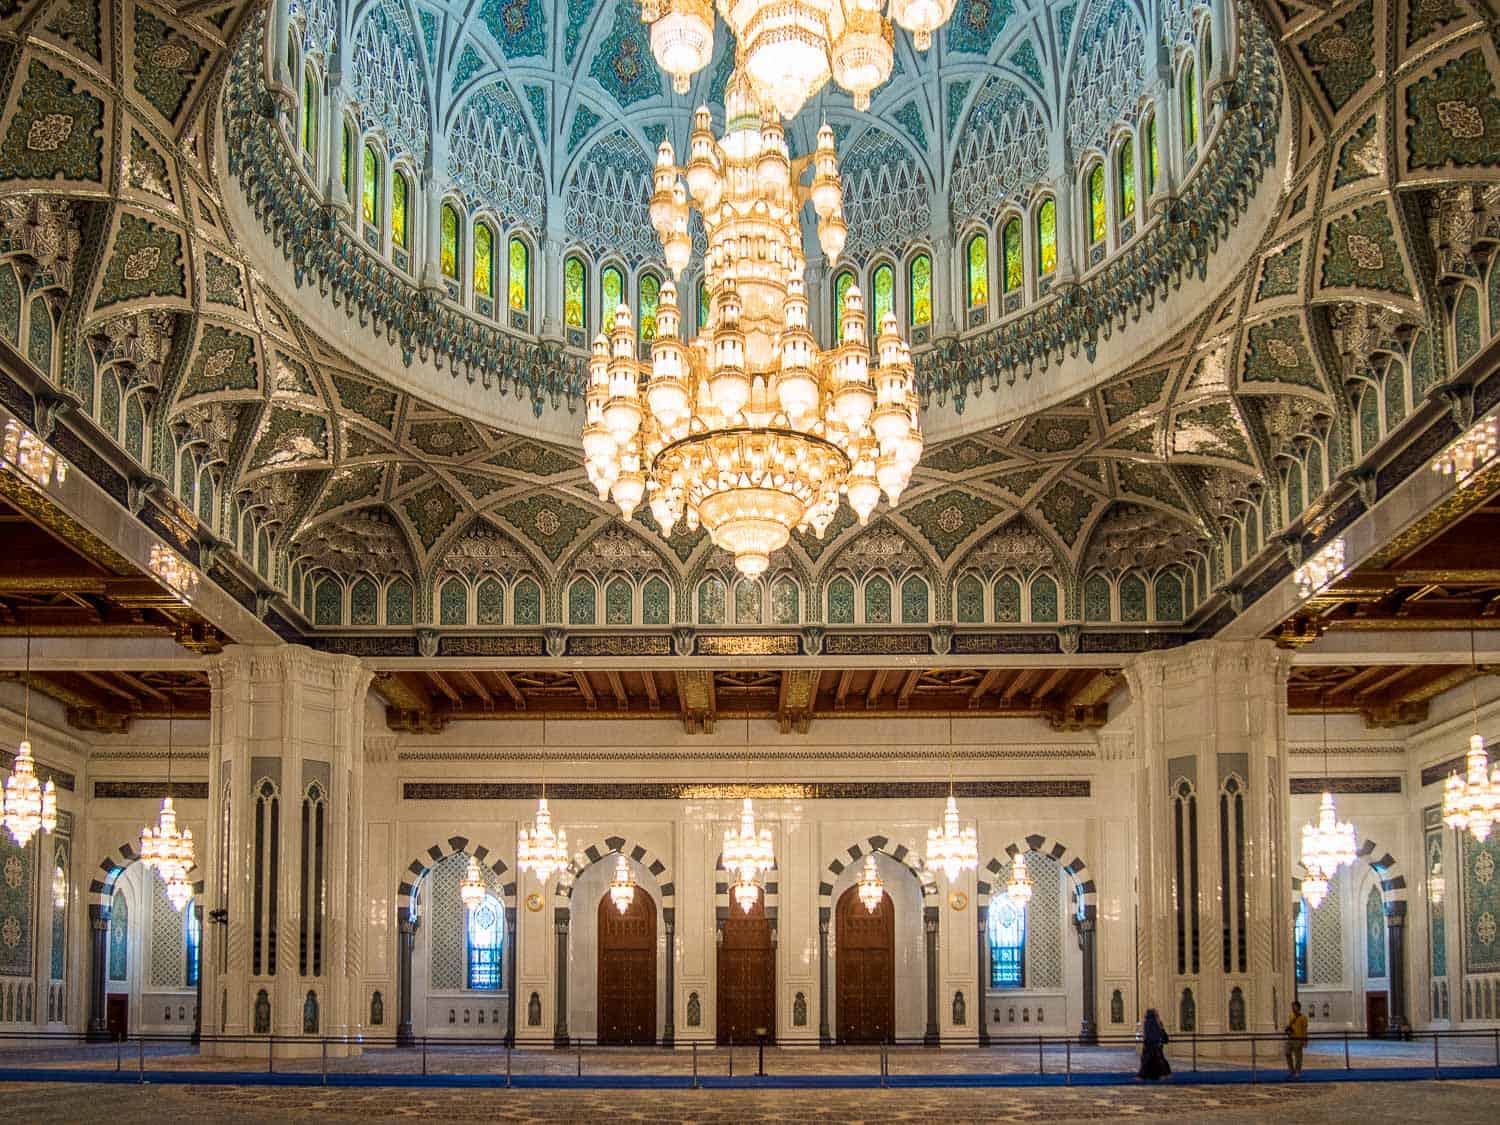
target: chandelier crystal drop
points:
(1327, 845)
(179, 892)
(30, 805)
(748, 852)
(622, 886)
(1472, 802)
(541, 850)
(950, 847)
(789, 49)
(1315, 890)
(1018, 886)
(745, 892)
(471, 888)
(870, 886)
(750, 430)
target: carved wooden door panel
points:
(627, 971)
(865, 965)
(747, 975)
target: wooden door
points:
(627, 971)
(747, 975)
(865, 965)
(1377, 1015)
(117, 1015)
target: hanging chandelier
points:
(471, 888)
(32, 456)
(745, 892)
(1018, 886)
(179, 891)
(1328, 843)
(870, 886)
(791, 48)
(748, 852)
(750, 430)
(1472, 801)
(953, 849)
(622, 886)
(1469, 452)
(164, 849)
(539, 849)
(30, 805)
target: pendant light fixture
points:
(1328, 843)
(30, 806)
(622, 886)
(471, 888)
(950, 847)
(1018, 887)
(1473, 801)
(748, 851)
(540, 849)
(166, 850)
(870, 886)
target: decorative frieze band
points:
(1316, 785)
(130, 790)
(687, 791)
(1072, 751)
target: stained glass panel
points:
(309, 111)
(650, 297)
(520, 275)
(1015, 267)
(612, 285)
(1374, 934)
(702, 307)
(841, 285)
(1046, 237)
(401, 210)
(449, 243)
(575, 288)
(884, 284)
(1098, 212)
(919, 276)
(978, 258)
(1125, 166)
(581, 602)
(346, 158)
(526, 603)
(484, 261)
(877, 601)
(369, 188)
(1153, 166)
(1189, 107)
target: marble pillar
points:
(983, 961)
(669, 1027)
(1088, 947)
(931, 1037)
(825, 1033)
(1395, 929)
(98, 971)
(561, 919)
(406, 945)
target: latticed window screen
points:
(167, 959)
(1325, 927)
(1039, 964)
(1002, 147)
(887, 199)
(1108, 71)
(452, 931)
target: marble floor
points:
(1371, 1103)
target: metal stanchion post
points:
(270, 1054)
(1497, 1046)
(424, 1056)
(1195, 1052)
(141, 1045)
(1437, 1065)
(580, 1058)
(1254, 1072)
(119, 1050)
(325, 1062)
(731, 1056)
(1069, 1045)
(1347, 1064)
(507, 1066)
(695, 1064)
(884, 1066)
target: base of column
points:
(1088, 1034)
(932, 1039)
(561, 1041)
(405, 1037)
(96, 1034)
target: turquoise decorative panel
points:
(617, 598)
(491, 602)
(362, 603)
(1395, 394)
(1168, 598)
(915, 598)
(135, 429)
(1369, 420)
(1095, 598)
(1437, 928)
(747, 602)
(841, 601)
(119, 938)
(1008, 599)
(527, 603)
(785, 601)
(1481, 907)
(10, 304)
(1043, 598)
(581, 602)
(398, 603)
(1465, 327)
(39, 337)
(17, 896)
(1132, 598)
(328, 602)
(1375, 963)
(453, 604)
(877, 601)
(711, 601)
(969, 603)
(656, 602)
(1423, 374)
(60, 893)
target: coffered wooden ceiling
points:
(108, 702)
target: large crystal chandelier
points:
(622, 886)
(166, 850)
(1327, 843)
(541, 850)
(179, 891)
(750, 429)
(1018, 886)
(1469, 452)
(791, 48)
(1472, 801)
(870, 886)
(471, 888)
(952, 848)
(748, 855)
(30, 805)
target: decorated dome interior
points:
(374, 446)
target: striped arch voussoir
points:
(411, 878)
(856, 852)
(586, 857)
(722, 903)
(1392, 878)
(1072, 863)
(102, 886)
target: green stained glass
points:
(613, 285)
(449, 243)
(1015, 269)
(1189, 107)
(1046, 237)
(346, 159)
(841, 285)
(978, 257)
(884, 284)
(309, 111)
(575, 287)
(650, 296)
(369, 189)
(1153, 166)
(520, 275)
(1208, 50)
(919, 275)
(702, 307)
(1098, 213)
(1125, 166)
(401, 210)
(484, 261)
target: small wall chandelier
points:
(791, 48)
(471, 888)
(1318, 571)
(870, 886)
(166, 850)
(30, 805)
(622, 885)
(174, 571)
(1018, 887)
(31, 456)
(750, 430)
(1469, 452)
(1327, 843)
(1472, 802)
(539, 849)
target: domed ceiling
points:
(136, 292)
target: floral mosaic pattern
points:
(56, 131)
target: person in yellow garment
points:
(1296, 1039)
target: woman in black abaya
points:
(1154, 1040)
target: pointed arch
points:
(1086, 899)
(406, 891)
(600, 851)
(903, 855)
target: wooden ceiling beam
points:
(653, 693)
(841, 693)
(107, 685)
(617, 687)
(476, 685)
(1054, 678)
(143, 687)
(908, 686)
(985, 686)
(508, 686)
(1017, 685)
(446, 688)
(872, 695)
(586, 689)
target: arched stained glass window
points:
(649, 298)
(1125, 172)
(401, 210)
(192, 943)
(1007, 943)
(485, 932)
(346, 159)
(1153, 159)
(575, 292)
(369, 188)
(919, 277)
(1299, 939)
(526, 603)
(449, 250)
(1189, 107)
(703, 311)
(1206, 33)
(1046, 237)
(520, 275)
(484, 260)
(1015, 267)
(309, 111)
(612, 286)
(841, 285)
(977, 258)
(1098, 210)
(883, 281)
